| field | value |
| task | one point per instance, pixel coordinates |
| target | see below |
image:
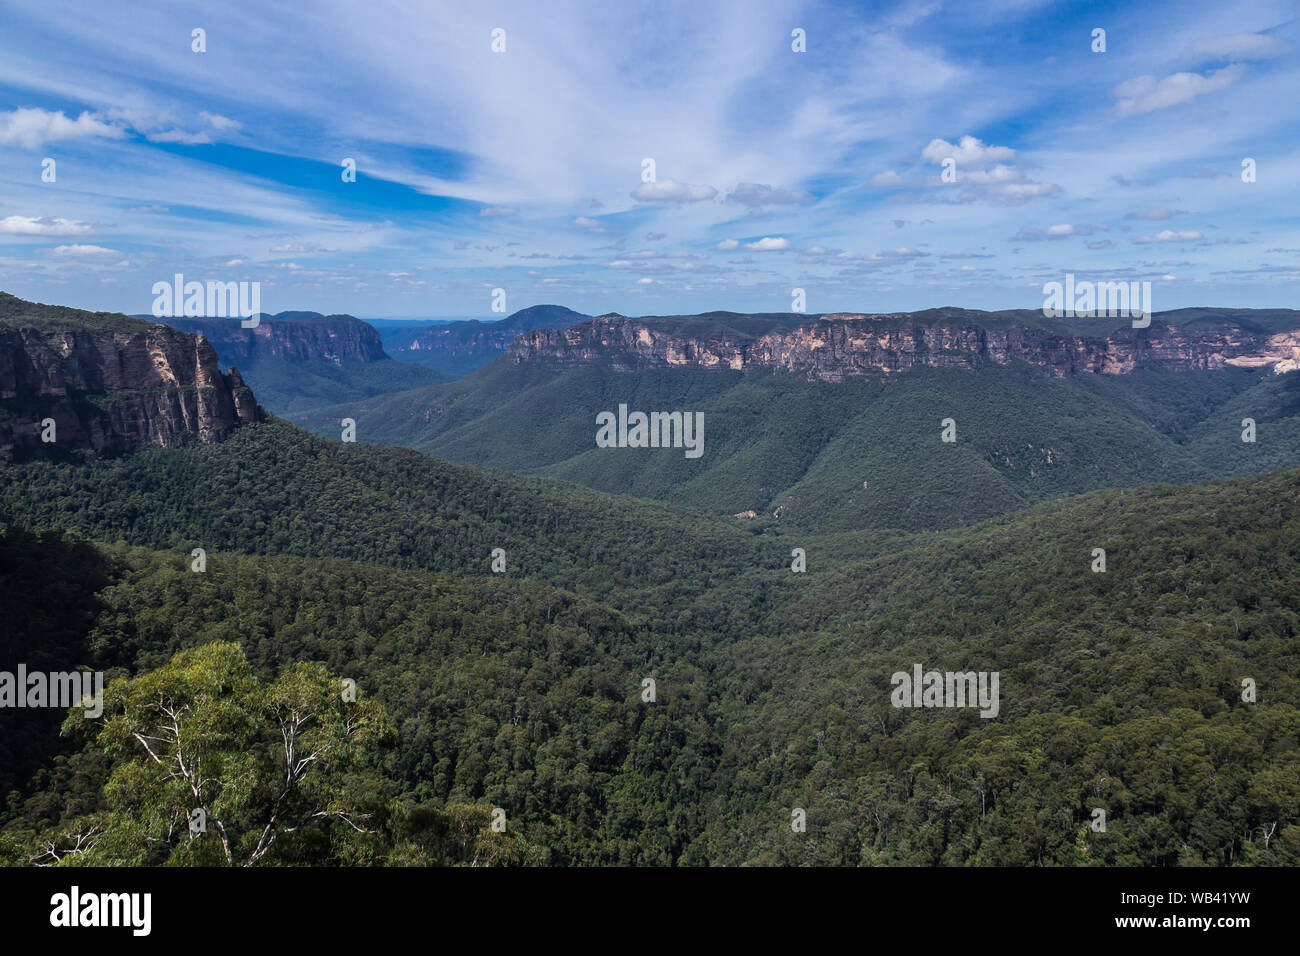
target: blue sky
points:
(774, 169)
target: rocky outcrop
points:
(290, 336)
(114, 392)
(834, 347)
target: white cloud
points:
(593, 226)
(78, 251)
(219, 122)
(32, 128)
(1017, 192)
(998, 174)
(769, 244)
(36, 226)
(886, 179)
(1169, 235)
(1062, 230)
(163, 127)
(293, 248)
(970, 152)
(1142, 94)
(495, 211)
(667, 190)
(726, 245)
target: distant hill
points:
(834, 423)
(457, 348)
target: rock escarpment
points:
(290, 336)
(834, 347)
(111, 392)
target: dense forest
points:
(1121, 690)
(862, 453)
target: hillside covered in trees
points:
(1121, 690)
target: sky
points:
(650, 158)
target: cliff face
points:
(839, 346)
(461, 347)
(463, 341)
(115, 392)
(290, 336)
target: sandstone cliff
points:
(833, 347)
(290, 336)
(114, 391)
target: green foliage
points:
(1119, 690)
(18, 313)
(258, 763)
(863, 453)
(273, 489)
(285, 386)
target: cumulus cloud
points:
(667, 190)
(166, 128)
(1169, 235)
(1142, 94)
(769, 244)
(37, 226)
(970, 153)
(1063, 230)
(32, 128)
(593, 226)
(726, 245)
(983, 174)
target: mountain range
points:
(837, 422)
(508, 624)
(456, 348)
